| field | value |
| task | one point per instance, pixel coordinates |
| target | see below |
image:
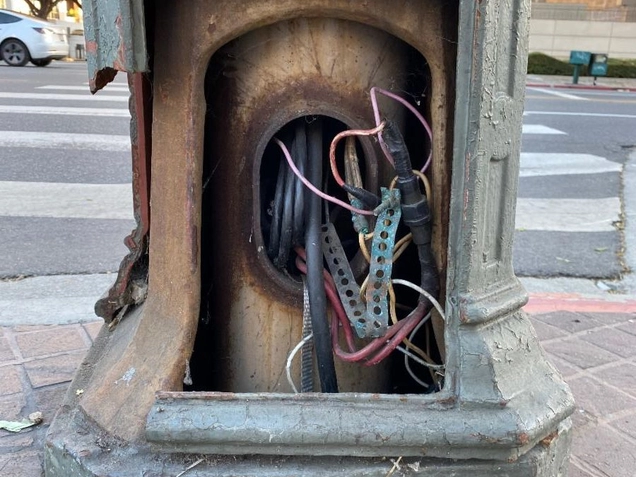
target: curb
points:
(582, 86)
(573, 302)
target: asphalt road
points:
(53, 236)
(60, 144)
(582, 194)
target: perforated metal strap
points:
(348, 289)
(381, 265)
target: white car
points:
(24, 39)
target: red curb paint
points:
(550, 302)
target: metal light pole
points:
(503, 409)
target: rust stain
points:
(119, 63)
(546, 441)
(449, 400)
(523, 438)
(91, 47)
(137, 242)
(484, 438)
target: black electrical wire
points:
(288, 217)
(315, 280)
(277, 211)
(416, 212)
(287, 222)
(299, 188)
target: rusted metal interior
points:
(215, 110)
(256, 87)
(227, 80)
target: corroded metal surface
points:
(376, 321)
(368, 425)
(497, 375)
(115, 39)
(256, 84)
(133, 270)
(340, 269)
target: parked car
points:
(24, 39)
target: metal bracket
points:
(377, 316)
(346, 285)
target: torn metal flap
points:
(115, 36)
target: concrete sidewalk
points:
(595, 352)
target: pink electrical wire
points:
(410, 107)
(315, 190)
(339, 136)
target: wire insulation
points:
(410, 107)
(290, 358)
(313, 246)
(314, 189)
(427, 295)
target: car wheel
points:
(14, 52)
(44, 62)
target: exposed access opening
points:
(282, 197)
(298, 292)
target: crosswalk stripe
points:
(581, 114)
(62, 87)
(47, 140)
(540, 129)
(568, 215)
(113, 83)
(62, 200)
(65, 111)
(559, 93)
(61, 97)
(544, 164)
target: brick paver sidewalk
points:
(596, 353)
(36, 365)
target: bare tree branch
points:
(43, 8)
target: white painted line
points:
(47, 140)
(62, 87)
(559, 94)
(60, 200)
(592, 115)
(65, 111)
(548, 164)
(62, 97)
(568, 215)
(540, 129)
(113, 83)
(622, 94)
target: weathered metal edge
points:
(367, 425)
(499, 301)
(115, 40)
(87, 454)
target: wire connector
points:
(360, 222)
(389, 201)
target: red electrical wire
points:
(385, 344)
(330, 289)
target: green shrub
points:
(621, 68)
(540, 64)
